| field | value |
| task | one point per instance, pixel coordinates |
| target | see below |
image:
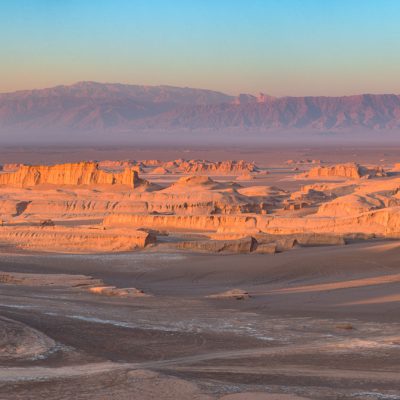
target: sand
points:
(278, 341)
(312, 322)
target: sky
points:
(278, 47)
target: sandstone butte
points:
(179, 166)
(349, 170)
(118, 211)
(220, 167)
(83, 173)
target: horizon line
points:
(192, 88)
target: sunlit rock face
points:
(198, 206)
(83, 173)
(349, 170)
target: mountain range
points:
(92, 106)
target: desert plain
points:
(197, 273)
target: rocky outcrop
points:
(266, 248)
(84, 173)
(151, 163)
(237, 294)
(11, 167)
(179, 166)
(211, 223)
(81, 282)
(349, 205)
(244, 245)
(74, 240)
(245, 177)
(82, 207)
(160, 171)
(384, 223)
(117, 292)
(349, 171)
(112, 165)
(228, 167)
(62, 280)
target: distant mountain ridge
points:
(91, 106)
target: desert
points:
(121, 279)
(199, 200)
(104, 206)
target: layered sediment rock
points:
(116, 164)
(84, 173)
(211, 223)
(237, 294)
(93, 210)
(66, 280)
(160, 171)
(76, 240)
(245, 177)
(244, 245)
(352, 204)
(8, 167)
(350, 171)
(117, 292)
(228, 167)
(384, 222)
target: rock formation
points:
(160, 171)
(237, 294)
(75, 240)
(117, 292)
(350, 171)
(228, 167)
(245, 245)
(83, 208)
(83, 173)
(82, 282)
(11, 167)
(245, 177)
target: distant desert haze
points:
(174, 113)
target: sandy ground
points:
(263, 155)
(310, 329)
(315, 323)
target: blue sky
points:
(280, 47)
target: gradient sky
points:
(280, 47)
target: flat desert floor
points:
(308, 323)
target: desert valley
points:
(273, 275)
(199, 200)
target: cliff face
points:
(77, 240)
(383, 223)
(211, 223)
(349, 170)
(200, 213)
(84, 173)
